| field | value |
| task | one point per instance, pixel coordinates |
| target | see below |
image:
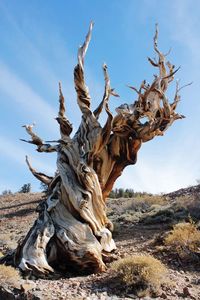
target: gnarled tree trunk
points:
(72, 228)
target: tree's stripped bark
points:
(65, 126)
(41, 176)
(72, 229)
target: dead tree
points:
(72, 228)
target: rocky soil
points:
(140, 223)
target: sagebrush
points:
(143, 274)
(184, 239)
(9, 275)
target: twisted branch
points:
(36, 140)
(65, 126)
(40, 176)
(83, 96)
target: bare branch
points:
(155, 39)
(104, 136)
(83, 49)
(172, 73)
(177, 97)
(107, 92)
(65, 125)
(48, 148)
(161, 57)
(83, 96)
(40, 176)
(185, 85)
(153, 62)
(168, 52)
(133, 88)
(36, 140)
(167, 108)
(61, 112)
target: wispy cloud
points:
(180, 167)
(17, 154)
(161, 175)
(163, 172)
(185, 16)
(60, 68)
(25, 50)
(26, 98)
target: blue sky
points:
(39, 41)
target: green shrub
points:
(7, 192)
(26, 188)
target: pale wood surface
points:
(72, 228)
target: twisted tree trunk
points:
(72, 228)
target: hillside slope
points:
(140, 225)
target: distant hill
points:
(191, 190)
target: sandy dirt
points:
(131, 237)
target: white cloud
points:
(185, 17)
(173, 164)
(154, 174)
(179, 167)
(17, 154)
(27, 99)
(38, 63)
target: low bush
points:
(9, 275)
(6, 192)
(142, 274)
(184, 239)
(159, 214)
(26, 188)
(141, 203)
(191, 204)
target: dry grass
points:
(190, 203)
(184, 239)
(152, 199)
(9, 275)
(143, 202)
(143, 274)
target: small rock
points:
(163, 296)
(27, 285)
(186, 291)
(195, 281)
(74, 285)
(187, 279)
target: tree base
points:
(58, 242)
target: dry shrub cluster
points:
(152, 199)
(143, 202)
(185, 240)
(191, 204)
(142, 274)
(131, 210)
(9, 275)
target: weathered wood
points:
(40, 176)
(65, 126)
(72, 230)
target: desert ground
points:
(141, 225)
